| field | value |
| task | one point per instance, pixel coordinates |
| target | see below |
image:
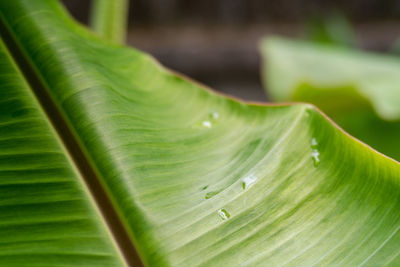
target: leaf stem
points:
(109, 19)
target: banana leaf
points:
(358, 90)
(194, 178)
(46, 212)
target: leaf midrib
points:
(70, 143)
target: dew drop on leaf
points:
(315, 157)
(206, 124)
(213, 115)
(315, 152)
(223, 214)
(211, 194)
(209, 121)
(314, 143)
(249, 181)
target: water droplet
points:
(211, 194)
(249, 181)
(213, 115)
(314, 143)
(315, 152)
(209, 121)
(223, 214)
(206, 124)
(315, 157)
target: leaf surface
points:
(46, 213)
(199, 179)
(358, 90)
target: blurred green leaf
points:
(359, 90)
(199, 179)
(334, 30)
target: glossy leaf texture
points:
(358, 90)
(199, 179)
(47, 216)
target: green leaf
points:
(356, 89)
(333, 29)
(201, 179)
(47, 215)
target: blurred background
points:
(216, 41)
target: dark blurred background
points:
(216, 41)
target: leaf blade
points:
(47, 215)
(158, 160)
